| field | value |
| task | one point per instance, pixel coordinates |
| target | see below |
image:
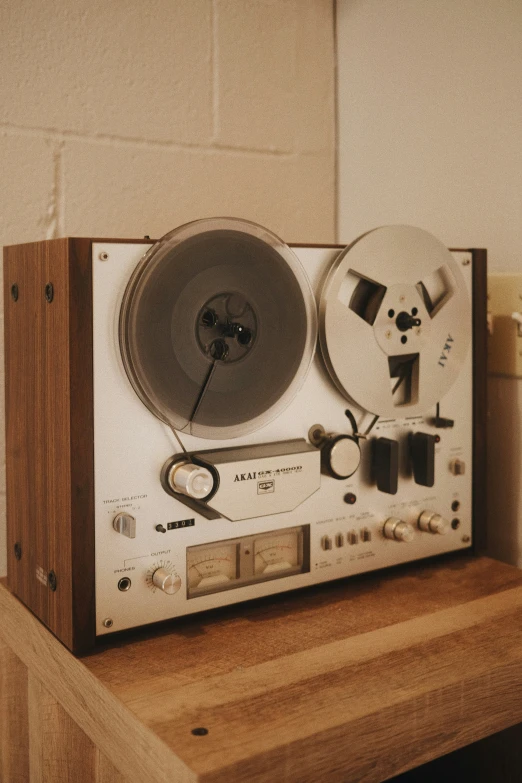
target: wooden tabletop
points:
(351, 681)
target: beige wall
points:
(430, 120)
(125, 118)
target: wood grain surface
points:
(38, 408)
(14, 723)
(355, 681)
(495, 759)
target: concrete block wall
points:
(128, 118)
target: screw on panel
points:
(51, 580)
(108, 623)
(200, 731)
(18, 551)
(103, 256)
(49, 292)
(14, 292)
(465, 262)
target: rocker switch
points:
(386, 464)
(423, 458)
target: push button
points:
(326, 543)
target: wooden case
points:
(49, 429)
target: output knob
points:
(398, 530)
(341, 456)
(169, 583)
(191, 480)
(431, 522)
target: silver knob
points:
(169, 583)
(457, 467)
(342, 456)
(125, 524)
(191, 480)
(431, 522)
(398, 530)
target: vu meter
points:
(212, 568)
(277, 553)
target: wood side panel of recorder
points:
(24, 281)
(49, 434)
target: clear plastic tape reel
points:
(218, 327)
(394, 321)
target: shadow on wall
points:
(504, 469)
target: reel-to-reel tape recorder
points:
(224, 417)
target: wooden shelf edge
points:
(135, 751)
(365, 706)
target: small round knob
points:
(169, 583)
(341, 456)
(398, 530)
(431, 522)
(191, 480)
(457, 467)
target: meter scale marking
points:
(212, 567)
(276, 554)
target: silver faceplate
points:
(132, 445)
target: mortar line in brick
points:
(214, 48)
(105, 139)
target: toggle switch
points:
(422, 450)
(386, 464)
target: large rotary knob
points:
(340, 455)
(398, 530)
(431, 522)
(169, 583)
(191, 480)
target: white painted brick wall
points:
(130, 118)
